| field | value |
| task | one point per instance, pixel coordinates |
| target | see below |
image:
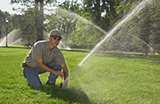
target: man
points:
(45, 57)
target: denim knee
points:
(31, 74)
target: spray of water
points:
(128, 17)
(13, 38)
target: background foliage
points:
(69, 15)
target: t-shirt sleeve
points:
(37, 51)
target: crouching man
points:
(45, 57)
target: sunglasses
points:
(57, 38)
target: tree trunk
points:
(97, 10)
(39, 19)
(145, 31)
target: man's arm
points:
(46, 68)
(65, 72)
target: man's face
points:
(55, 41)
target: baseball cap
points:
(55, 33)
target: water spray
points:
(128, 17)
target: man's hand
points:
(64, 85)
(46, 68)
(65, 71)
(59, 73)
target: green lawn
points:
(106, 77)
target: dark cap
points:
(55, 33)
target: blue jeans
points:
(31, 74)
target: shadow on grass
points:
(70, 95)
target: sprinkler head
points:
(61, 85)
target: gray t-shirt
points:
(41, 51)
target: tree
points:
(145, 25)
(3, 17)
(72, 6)
(27, 26)
(125, 6)
(145, 29)
(102, 11)
(85, 36)
(155, 25)
(39, 8)
(63, 20)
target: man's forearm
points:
(65, 75)
(46, 68)
(65, 71)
